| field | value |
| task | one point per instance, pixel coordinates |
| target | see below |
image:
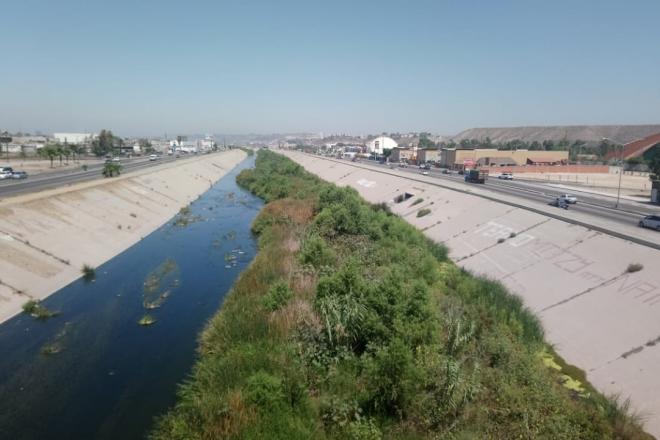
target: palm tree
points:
(110, 169)
(48, 152)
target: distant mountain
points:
(588, 133)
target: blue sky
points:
(149, 67)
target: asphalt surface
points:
(628, 212)
(39, 182)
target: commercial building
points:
(402, 154)
(428, 155)
(73, 138)
(381, 143)
(464, 157)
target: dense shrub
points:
(351, 324)
(278, 295)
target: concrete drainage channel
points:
(600, 314)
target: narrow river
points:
(93, 371)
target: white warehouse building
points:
(381, 143)
(73, 138)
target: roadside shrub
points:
(278, 295)
(316, 252)
(264, 390)
(422, 212)
(391, 377)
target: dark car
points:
(19, 175)
(650, 221)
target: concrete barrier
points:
(599, 316)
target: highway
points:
(39, 182)
(628, 213)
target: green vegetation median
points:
(350, 324)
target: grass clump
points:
(422, 212)
(634, 267)
(350, 323)
(147, 320)
(417, 201)
(277, 296)
(35, 309)
(88, 273)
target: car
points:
(116, 160)
(153, 157)
(650, 221)
(567, 198)
(505, 176)
(6, 172)
(19, 175)
(425, 173)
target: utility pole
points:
(618, 191)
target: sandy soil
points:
(46, 237)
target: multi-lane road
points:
(38, 182)
(628, 212)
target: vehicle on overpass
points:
(6, 172)
(476, 175)
(559, 203)
(650, 221)
(19, 175)
(568, 198)
(505, 176)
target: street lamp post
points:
(618, 191)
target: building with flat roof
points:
(402, 154)
(428, 155)
(73, 138)
(464, 157)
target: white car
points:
(153, 157)
(425, 173)
(650, 221)
(6, 172)
(505, 176)
(568, 198)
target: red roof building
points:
(636, 148)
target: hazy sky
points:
(149, 67)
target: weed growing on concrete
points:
(422, 212)
(35, 309)
(634, 267)
(417, 201)
(89, 273)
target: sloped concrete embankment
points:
(600, 316)
(46, 238)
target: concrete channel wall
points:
(599, 316)
(47, 237)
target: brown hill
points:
(588, 133)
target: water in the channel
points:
(93, 371)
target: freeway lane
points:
(629, 213)
(53, 180)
